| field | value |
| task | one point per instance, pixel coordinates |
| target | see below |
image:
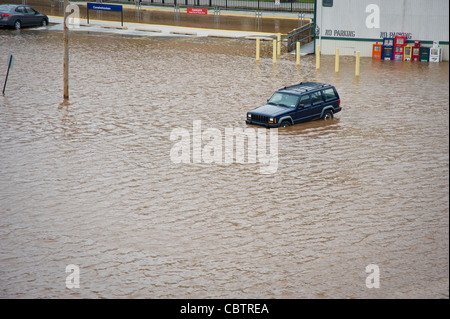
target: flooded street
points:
(166, 16)
(91, 182)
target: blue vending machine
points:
(388, 49)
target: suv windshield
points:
(284, 99)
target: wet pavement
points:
(152, 30)
(91, 182)
(167, 16)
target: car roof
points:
(304, 87)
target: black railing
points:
(304, 34)
(306, 6)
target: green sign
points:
(327, 3)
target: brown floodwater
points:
(91, 182)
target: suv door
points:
(331, 98)
(316, 104)
(303, 111)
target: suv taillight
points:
(339, 102)
(5, 15)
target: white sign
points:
(277, 2)
(373, 20)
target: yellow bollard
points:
(318, 57)
(274, 51)
(336, 67)
(258, 46)
(297, 53)
(279, 44)
(357, 63)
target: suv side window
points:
(305, 100)
(329, 94)
(316, 97)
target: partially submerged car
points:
(297, 103)
(18, 16)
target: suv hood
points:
(270, 110)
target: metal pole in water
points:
(10, 64)
(274, 58)
(297, 53)
(357, 63)
(336, 67)
(258, 45)
(66, 53)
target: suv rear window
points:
(329, 94)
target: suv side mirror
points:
(300, 106)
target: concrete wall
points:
(354, 25)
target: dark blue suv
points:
(295, 104)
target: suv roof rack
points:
(305, 87)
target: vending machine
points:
(416, 51)
(424, 54)
(435, 52)
(388, 49)
(408, 53)
(377, 51)
(399, 47)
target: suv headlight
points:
(249, 116)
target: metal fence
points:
(306, 6)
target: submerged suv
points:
(295, 104)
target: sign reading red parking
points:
(200, 11)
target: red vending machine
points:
(399, 47)
(416, 51)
